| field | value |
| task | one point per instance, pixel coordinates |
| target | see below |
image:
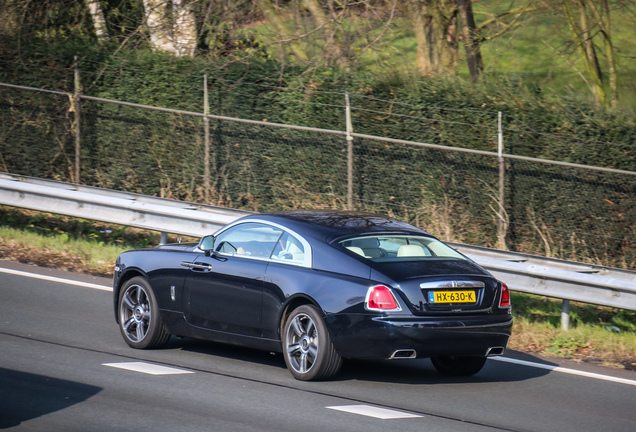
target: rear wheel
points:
(139, 318)
(458, 366)
(307, 347)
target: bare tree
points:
(436, 23)
(99, 22)
(330, 32)
(435, 26)
(589, 21)
(184, 28)
(333, 50)
(578, 20)
(171, 29)
(287, 40)
(159, 25)
(471, 38)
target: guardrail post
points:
(565, 315)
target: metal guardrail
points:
(123, 208)
(525, 273)
(550, 277)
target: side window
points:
(288, 248)
(249, 239)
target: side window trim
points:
(307, 261)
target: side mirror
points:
(207, 245)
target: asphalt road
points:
(65, 367)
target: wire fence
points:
(479, 196)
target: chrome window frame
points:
(307, 260)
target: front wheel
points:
(307, 347)
(139, 318)
(458, 366)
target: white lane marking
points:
(566, 370)
(56, 279)
(370, 411)
(147, 368)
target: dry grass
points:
(597, 334)
(585, 343)
(53, 252)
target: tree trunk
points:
(605, 23)
(609, 49)
(159, 25)
(184, 29)
(583, 38)
(421, 24)
(435, 27)
(332, 47)
(471, 43)
(99, 22)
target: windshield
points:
(399, 248)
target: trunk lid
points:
(441, 286)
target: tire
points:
(307, 347)
(458, 366)
(139, 318)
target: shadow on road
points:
(421, 371)
(26, 396)
(231, 352)
(413, 371)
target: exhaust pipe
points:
(403, 354)
(495, 351)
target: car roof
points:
(329, 225)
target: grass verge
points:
(67, 243)
(597, 334)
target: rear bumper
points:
(376, 337)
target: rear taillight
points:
(504, 299)
(380, 298)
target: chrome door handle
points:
(197, 266)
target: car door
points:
(224, 292)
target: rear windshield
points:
(399, 248)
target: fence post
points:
(76, 109)
(501, 221)
(349, 127)
(206, 128)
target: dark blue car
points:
(318, 286)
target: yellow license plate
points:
(452, 297)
